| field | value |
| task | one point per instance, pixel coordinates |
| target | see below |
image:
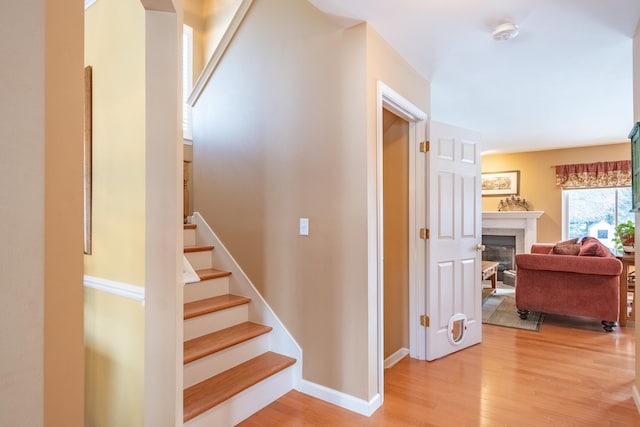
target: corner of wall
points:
(636, 114)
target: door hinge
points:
(424, 147)
(424, 233)
(424, 320)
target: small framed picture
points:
(501, 183)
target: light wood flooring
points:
(571, 373)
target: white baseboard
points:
(395, 357)
(341, 399)
(636, 397)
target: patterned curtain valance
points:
(594, 175)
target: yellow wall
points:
(114, 327)
(537, 179)
(114, 341)
(283, 131)
(396, 233)
(116, 53)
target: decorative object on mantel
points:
(513, 203)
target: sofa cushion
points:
(566, 247)
(590, 246)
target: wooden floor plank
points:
(571, 373)
(213, 391)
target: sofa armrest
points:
(601, 266)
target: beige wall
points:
(386, 65)
(537, 179)
(41, 364)
(209, 20)
(283, 131)
(396, 233)
(115, 365)
(217, 15)
(64, 131)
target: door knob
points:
(480, 248)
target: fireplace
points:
(501, 249)
(506, 234)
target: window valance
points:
(594, 175)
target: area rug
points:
(499, 308)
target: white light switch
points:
(304, 226)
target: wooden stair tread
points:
(205, 395)
(211, 273)
(217, 341)
(201, 248)
(210, 305)
(190, 226)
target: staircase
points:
(238, 357)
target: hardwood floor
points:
(571, 373)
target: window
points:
(596, 212)
(187, 80)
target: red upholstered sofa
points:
(585, 284)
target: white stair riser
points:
(200, 260)
(206, 289)
(207, 323)
(201, 369)
(189, 236)
(245, 404)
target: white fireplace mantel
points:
(526, 221)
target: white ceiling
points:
(566, 80)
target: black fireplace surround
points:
(501, 249)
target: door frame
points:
(389, 99)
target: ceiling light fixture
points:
(506, 31)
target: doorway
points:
(395, 207)
(415, 123)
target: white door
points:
(454, 218)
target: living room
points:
(537, 179)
